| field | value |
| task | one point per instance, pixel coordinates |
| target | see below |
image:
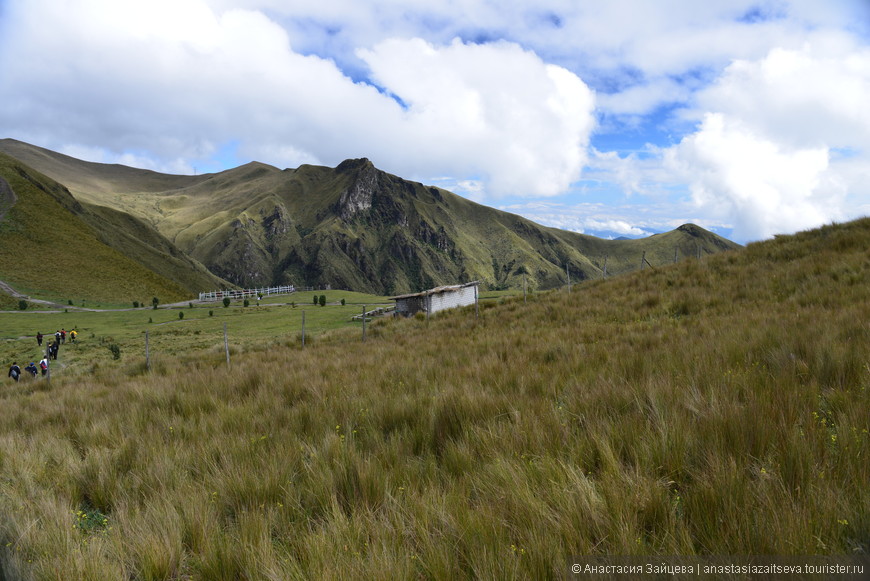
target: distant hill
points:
(353, 226)
(52, 245)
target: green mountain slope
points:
(51, 245)
(353, 226)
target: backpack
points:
(14, 373)
(43, 365)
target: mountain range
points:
(353, 226)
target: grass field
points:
(715, 407)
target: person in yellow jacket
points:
(72, 336)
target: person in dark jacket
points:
(15, 371)
(39, 339)
(31, 369)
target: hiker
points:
(43, 365)
(72, 336)
(63, 335)
(31, 369)
(14, 371)
(52, 350)
(57, 337)
(39, 339)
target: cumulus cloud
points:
(178, 79)
(780, 145)
(493, 109)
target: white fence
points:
(246, 293)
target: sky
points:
(616, 118)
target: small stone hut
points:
(437, 299)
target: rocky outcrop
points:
(358, 196)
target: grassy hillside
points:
(48, 250)
(708, 407)
(353, 226)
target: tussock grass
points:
(713, 407)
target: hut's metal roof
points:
(437, 290)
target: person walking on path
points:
(53, 349)
(43, 365)
(31, 369)
(15, 371)
(63, 336)
(39, 339)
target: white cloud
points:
(763, 188)
(762, 157)
(493, 109)
(178, 79)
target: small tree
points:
(246, 302)
(22, 305)
(116, 351)
(180, 314)
(322, 300)
(342, 302)
(155, 301)
(226, 302)
(315, 300)
(135, 304)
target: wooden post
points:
(147, 354)
(226, 344)
(642, 259)
(699, 251)
(303, 328)
(364, 323)
(675, 254)
(48, 359)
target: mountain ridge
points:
(352, 226)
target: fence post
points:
(568, 276)
(48, 360)
(364, 323)
(476, 303)
(226, 344)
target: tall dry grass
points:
(715, 407)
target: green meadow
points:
(712, 407)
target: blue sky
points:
(618, 118)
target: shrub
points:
(180, 315)
(189, 305)
(22, 305)
(211, 313)
(155, 302)
(342, 302)
(226, 302)
(315, 300)
(246, 302)
(116, 351)
(135, 304)
(322, 300)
